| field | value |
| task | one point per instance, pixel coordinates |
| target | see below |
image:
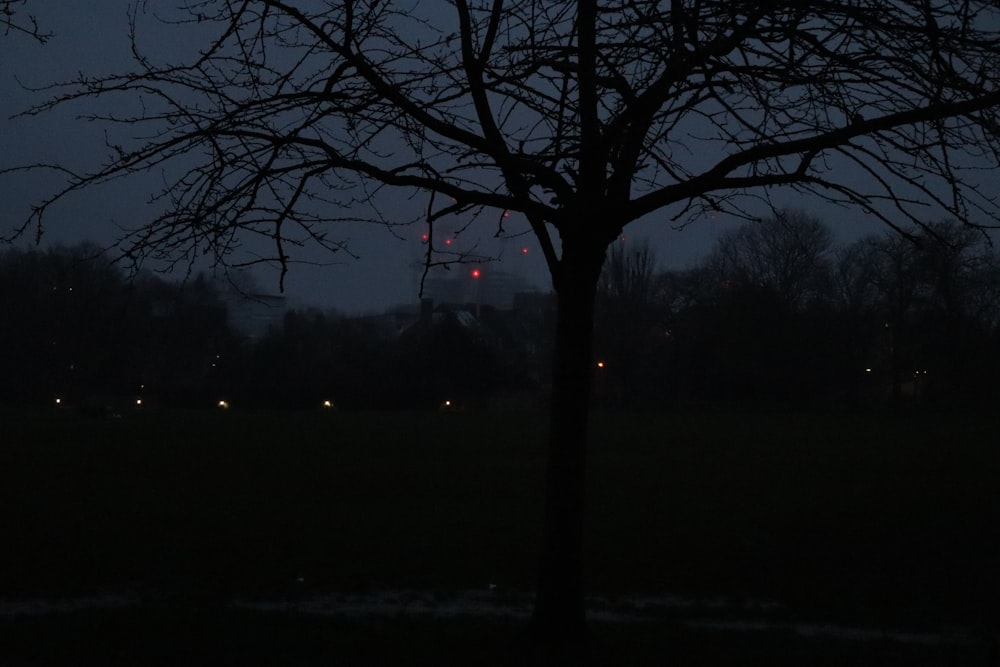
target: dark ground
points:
(873, 521)
(202, 637)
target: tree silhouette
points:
(580, 117)
(785, 254)
(87, 334)
(13, 19)
(66, 307)
(932, 300)
(630, 322)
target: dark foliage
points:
(77, 330)
(887, 321)
(883, 321)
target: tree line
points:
(76, 329)
(776, 312)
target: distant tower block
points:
(486, 285)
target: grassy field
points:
(862, 520)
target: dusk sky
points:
(91, 37)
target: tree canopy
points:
(785, 253)
(543, 108)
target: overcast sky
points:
(91, 37)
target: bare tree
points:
(854, 273)
(13, 19)
(581, 117)
(629, 318)
(940, 285)
(629, 275)
(787, 253)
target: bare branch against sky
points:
(886, 106)
(284, 118)
(15, 19)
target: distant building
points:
(253, 314)
(482, 285)
(393, 322)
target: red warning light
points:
(524, 251)
(424, 237)
(476, 273)
(447, 241)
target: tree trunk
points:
(559, 616)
